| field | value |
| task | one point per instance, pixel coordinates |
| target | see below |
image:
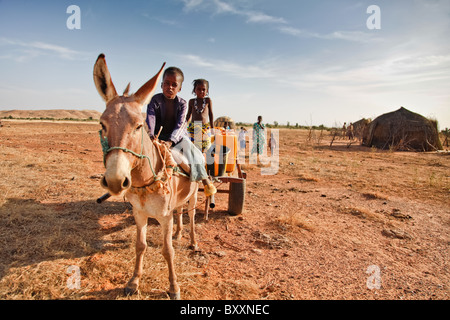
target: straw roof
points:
(403, 130)
(222, 122)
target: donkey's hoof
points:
(131, 289)
(175, 296)
(195, 248)
(176, 236)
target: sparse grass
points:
(308, 178)
(293, 221)
(238, 289)
(363, 213)
(374, 196)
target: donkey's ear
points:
(144, 94)
(126, 92)
(102, 79)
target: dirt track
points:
(311, 231)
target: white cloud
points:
(386, 79)
(60, 51)
(191, 4)
(387, 75)
(293, 31)
(258, 17)
(413, 63)
(283, 26)
(243, 71)
(352, 36)
(222, 7)
(21, 51)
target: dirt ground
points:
(339, 222)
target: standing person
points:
(166, 115)
(350, 131)
(446, 135)
(242, 143)
(259, 138)
(200, 115)
(241, 138)
(272, 143)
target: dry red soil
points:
(339, 222)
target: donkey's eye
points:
(139, 127)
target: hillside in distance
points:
(51, 114)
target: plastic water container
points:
(228, 139)
(216, 160)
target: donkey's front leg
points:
(178, 216)
(141, 245)
(169, 253)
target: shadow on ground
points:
(33, 232)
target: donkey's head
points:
(122, 123)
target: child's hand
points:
(168, 144)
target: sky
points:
(299, 61)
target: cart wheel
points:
(236, 198)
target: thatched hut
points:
(224, 122)
(359, 127)
(403, 130)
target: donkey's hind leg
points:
(191, 210)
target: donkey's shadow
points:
(33, 232)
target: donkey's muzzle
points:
(117, 185)
(117, 177)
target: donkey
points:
(141, 169)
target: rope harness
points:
(160, 180)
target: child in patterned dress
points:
(200, 115)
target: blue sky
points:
(297, 61)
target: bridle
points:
(107, 149)
(161, 179)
